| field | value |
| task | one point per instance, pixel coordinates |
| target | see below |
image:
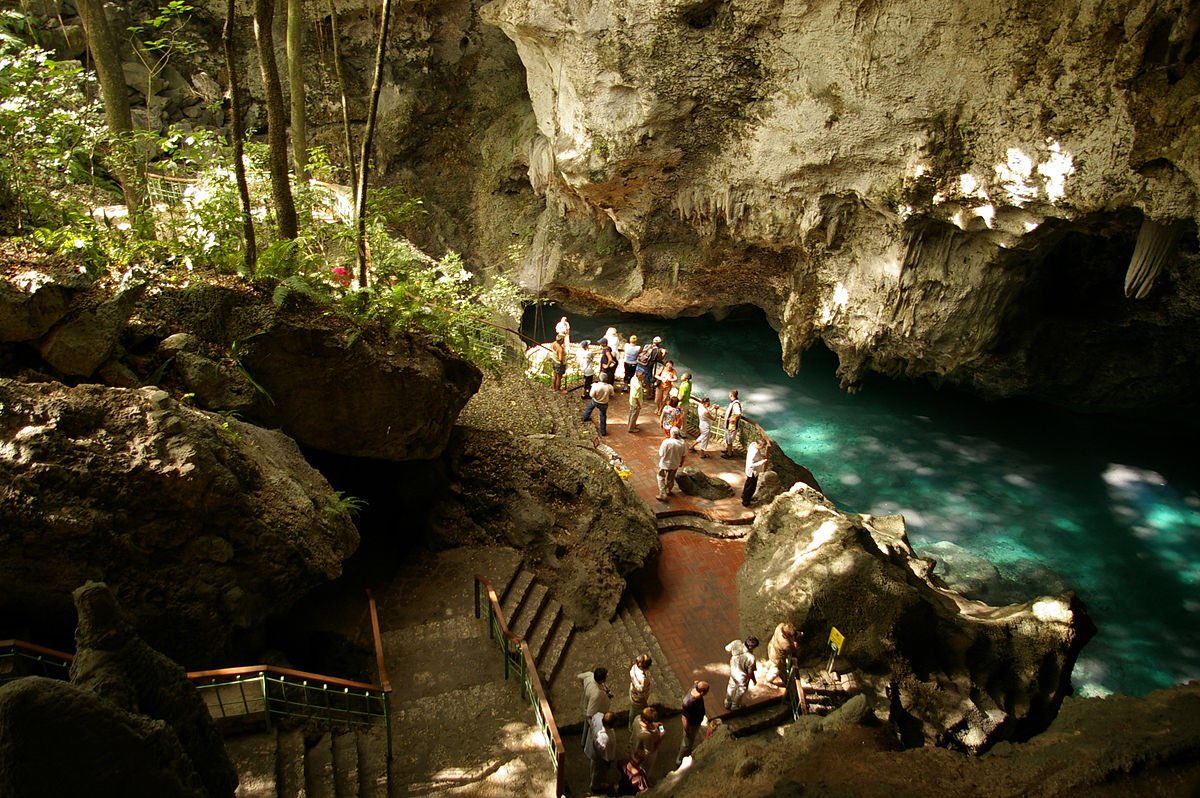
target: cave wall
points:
(873, 174)
(891, 177)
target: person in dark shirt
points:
(692, 717)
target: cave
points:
(360, 415)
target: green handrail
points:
(516, 655)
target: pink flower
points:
(340, 275)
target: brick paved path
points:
(639, 450)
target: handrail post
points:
(262, 680)
(477, 599)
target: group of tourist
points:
(647, 372)
(646, 732)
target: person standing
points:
(704, 412)
(646, 737)
(685, 392)
(670, 457)
(741, 670)
(608, 363)
(586, 368)
(599, 745)
(632, 350)
(733, 419)
(647, 364)
(636, 395)
(639, 686)
(558, 361)
(596, 695)
(756, 462)
(666, 381)
(671, 416)
(692, 715)
(783, 645)
(563, 328)
(601, 395)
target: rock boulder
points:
(58, 740)
(113, 662)
(581, 527)
(948, 670)
(201, 524)
(694, 482)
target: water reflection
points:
(1045, 501)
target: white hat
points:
(657, 340)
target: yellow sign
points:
(836, 639)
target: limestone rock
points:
(29, 307)
(862, 177)
(79, 346)
(113, 662)
(59, 740)
(217, 386)
(694, 482)
(133, 488)
(581, 527)
(324, 380)
(951, 671)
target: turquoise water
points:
(1052, 500)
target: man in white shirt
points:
(741, 670)
(601, 395)
(596, 697)
(756, 463)
(599, 745)
(670, 457)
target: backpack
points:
(649, 355)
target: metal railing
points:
(250, 690)
(748, 430)
(795, 690)
(19, 659)
(518, 658)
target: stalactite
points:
(1155, 246)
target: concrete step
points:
(529, 611)
(667, 689)
(318, 767)
(759, 717)
(254, 757)
(372, 762)
(345, 764)
(543, 630)
(514, 595)
(289, 764)
(555, 650)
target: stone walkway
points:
(639, 451)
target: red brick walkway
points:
(689, 597)
(639, 451)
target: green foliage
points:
(342, 505)
(49, 133)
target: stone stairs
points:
(538, 619)
(637, 638)
(311, 763)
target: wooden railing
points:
(517, 656)
(280, 691)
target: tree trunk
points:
(341, 78)
(360, 204)
(281, 188)
(107, 58)
(237, 135)
(295, 59)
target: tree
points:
(295, 60)
(336, 37)
(281, 189)
(237, 135)
(360, 200)
(117, 115)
